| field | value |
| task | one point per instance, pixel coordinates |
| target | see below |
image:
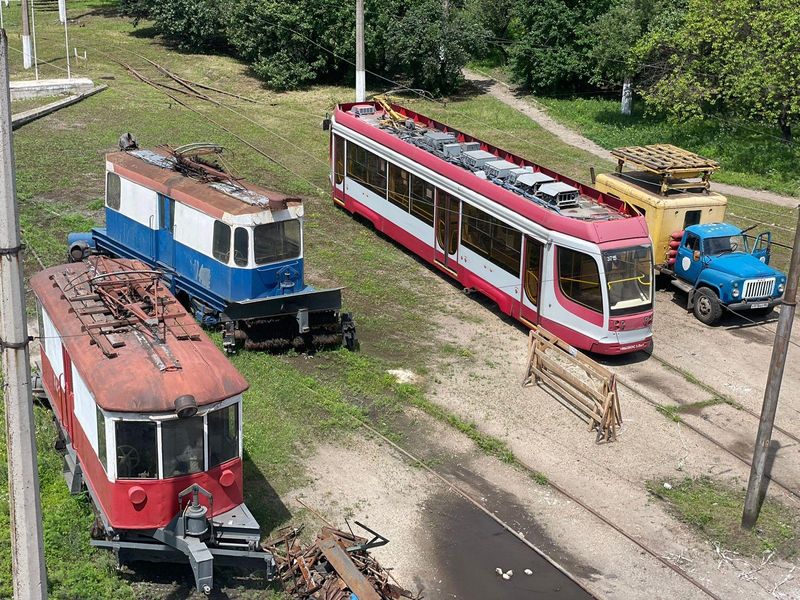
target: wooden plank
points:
(347, 571)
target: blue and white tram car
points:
(231, 252)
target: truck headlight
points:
(780, 287)
(735, 292)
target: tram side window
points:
(276, 241)
(579, 278)
(223, 435)
(366, 168)
(356, 162)
(241, 242)
(137, 454)
(101, 438)
(398, 186)
(112, 190)
(182, 446)
(221, 242)
(491, 238)
(338, 154)
(422, 199)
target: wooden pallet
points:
(670, 163)
(594, 395)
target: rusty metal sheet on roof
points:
(135, 347)
(665, 159)
(245, 195)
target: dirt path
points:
(506, 94)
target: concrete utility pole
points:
(752, 502)
(27, 556)
(62, 6)
(27, 43)
(360, 75)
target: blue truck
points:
(720, 267)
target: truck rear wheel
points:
(707, 307)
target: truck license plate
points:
(759, 305)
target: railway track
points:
(183, 92)
(775, 480)
(704, 386)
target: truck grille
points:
(758, 288)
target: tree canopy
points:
(686, 58)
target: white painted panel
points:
(193, 228)
(138, 203)
(85, 408)
(52, 346)
(488, 271)
(403, 219)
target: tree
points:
(548, 51)
(612, 36)
(193, 25)
(428, 42)
(739, 57)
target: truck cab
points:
(719, 267)
(716, 264)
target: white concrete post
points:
(627, 97)
(27, 553)
(360, 74)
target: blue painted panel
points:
(129, 233)
(166, 243)
(199, 275)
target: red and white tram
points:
(150, 417)
(548, 250)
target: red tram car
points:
(548, 250)
(149, 413)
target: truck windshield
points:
(726, 243)
(629, 277)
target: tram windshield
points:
(629, 278)
(187, 446)
(273, 242)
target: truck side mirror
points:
(697, 254)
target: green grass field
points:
(751, 155)
(293, 403)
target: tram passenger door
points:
(68, 407)
(165, 250)
(448, 210)
(530, 301)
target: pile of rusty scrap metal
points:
(337, 566)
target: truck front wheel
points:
(707, 307)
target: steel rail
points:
(561, 491)
(728, 400)
(785, 487)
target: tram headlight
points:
(185, 406)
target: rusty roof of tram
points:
(133, 344)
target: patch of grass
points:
(751, 154)
(715, 510)
(669, 411)
(74, 568)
